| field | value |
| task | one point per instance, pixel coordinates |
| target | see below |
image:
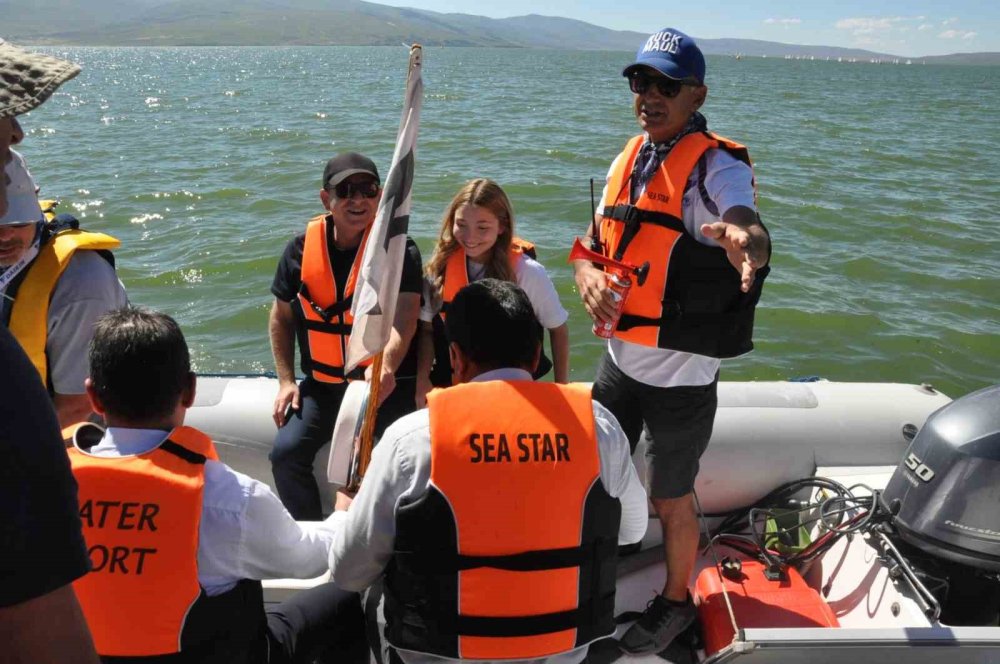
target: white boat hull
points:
(766, 434)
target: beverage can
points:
(619, 285)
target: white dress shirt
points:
(245, 531)
(399, 474)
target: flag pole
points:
(365, 443)
(373, 315)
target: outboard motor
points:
(945, 495)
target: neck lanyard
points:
(9, 274)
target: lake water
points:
(878, 183)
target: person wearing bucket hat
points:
(44, 549)
(313, 288)
(55, 279)
(681, 201)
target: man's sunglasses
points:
(345, 190)
(19, 225)
(639, 83)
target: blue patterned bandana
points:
(651, 155)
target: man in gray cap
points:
(682, 201)
(55, 279)
(44, 549)
(313, 289)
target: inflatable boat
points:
(839, 522)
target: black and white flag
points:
(382, 266)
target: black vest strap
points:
(710, 205)
(182, 452)
(343, 329)
(336, 372)
(545, 623)
(448, 562)
(335, 309)
(629, 213)
(633, 218)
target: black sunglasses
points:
(21, 224)
(368, 189)
(639, 83)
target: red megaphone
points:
(580, 252)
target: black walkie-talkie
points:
(595, 236)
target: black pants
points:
(322, 624)
(310, 428)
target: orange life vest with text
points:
(691, 299)
(325, 320)
(140, 520)
(511, 553)
(141, 516)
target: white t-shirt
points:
(729, 183)
(530, 276)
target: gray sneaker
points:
(658, 625)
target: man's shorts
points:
(678, 422)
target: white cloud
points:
(783, 21)
(957, 34)
(871, 24)
(924, 26)
(949, 21)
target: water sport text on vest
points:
(120, 516)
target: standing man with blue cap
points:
(682, 200)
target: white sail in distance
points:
(377, 289)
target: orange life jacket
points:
(456, 273)
(327, 321)
(511, 552)
(691, 299)
(456, 277)
(140, 520)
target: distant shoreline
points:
(287, 23)
(984, 59)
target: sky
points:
(916, 28)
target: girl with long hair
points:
(477, 241)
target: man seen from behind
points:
(531, 482)
(178, 541)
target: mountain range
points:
(351, 22)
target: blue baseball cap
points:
(673, 54)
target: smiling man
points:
(55, 280)
(313, 289)
(682, 200)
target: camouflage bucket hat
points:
(28, 79)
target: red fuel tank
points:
(757, 602)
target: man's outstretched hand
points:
(746, 242)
